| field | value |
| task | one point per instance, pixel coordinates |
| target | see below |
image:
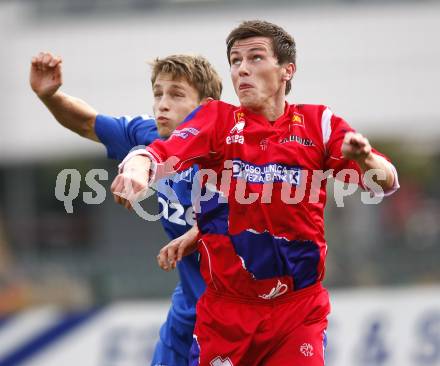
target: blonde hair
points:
(196, 70)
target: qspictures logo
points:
(68, 187)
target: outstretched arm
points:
(194, 142)
(176, 249)
(46, 78)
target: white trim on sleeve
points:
(141, 152)
(326, 125)
(396, 184)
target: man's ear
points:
(289, 71)
(206, 100)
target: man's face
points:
(256, 74)
(174, 99)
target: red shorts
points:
(289, 330)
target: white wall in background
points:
(376, 65)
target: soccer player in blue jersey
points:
(180, 84)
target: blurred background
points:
(88, 280)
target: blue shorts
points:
(175, 341)
(166, 356)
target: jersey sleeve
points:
(195, 141)
(334, 129)
(120, 135)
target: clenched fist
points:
(355, 147)
(45, 75)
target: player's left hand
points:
(132, 184)
(355, 147)
(176, 249)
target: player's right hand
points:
(178, 248)
(45, 75)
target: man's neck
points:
(271, 109)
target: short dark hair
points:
(283, 44)
(196, 70)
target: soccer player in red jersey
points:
(261, 212)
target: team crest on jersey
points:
(236, 132)
(238, 116)
(297, 119)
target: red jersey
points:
(262, 230)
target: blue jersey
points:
(120, 135)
